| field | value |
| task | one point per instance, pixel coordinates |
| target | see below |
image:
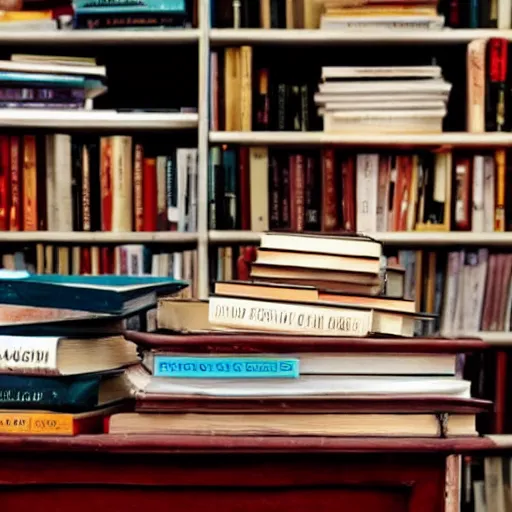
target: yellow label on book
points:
(35, 423)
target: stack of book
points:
(63, 352)
(277, 359)
(37, 81)
(394, 99)
(381, 14)
(101, 14)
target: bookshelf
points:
(224, 36)
(97, 120)
(407, 239)
(446, 139)
(206, 38)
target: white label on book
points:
(28, 353)
(288, 318)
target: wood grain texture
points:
(258, 343)
(139, 444)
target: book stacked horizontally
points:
(275, 358)
(103, 14)
(62, 349)
(39, 81)
(384, 99)
(381, 15)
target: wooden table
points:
(113, 473)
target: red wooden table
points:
(111, 473)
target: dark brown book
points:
(275, 343)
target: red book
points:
(149, 194)
(4, 182)
(106, 183)
(15, 220)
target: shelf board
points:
(492, 337)
(446, 139)
(403, 239)
(338, 37)
(100, 444)
(99, 37)
(99, 237)
(96, 119)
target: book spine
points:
(329, 195)
(97, 20)
(4, 183)
(288, 318)
(30, 197)
(15, 219)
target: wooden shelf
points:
(99, 37)
(160, 443)
(446, 139)
(405, 239)
(334, 37)
(96, 119)
(84, 237)
(493, 338)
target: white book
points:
(386, 86)
(305, 386)
(339, 72)
(367, 185)
(478, 219)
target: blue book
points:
(70, 394)
(105, 294)
(213, 367)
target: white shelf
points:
(96, 119)
(446, 139)
(492, 338)
(331, 37)
(404, 239)
(99, 37)
(84, 237)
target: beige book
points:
(321, 319)
(258, 171)
(476, 86)
(387, 425)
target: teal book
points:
(67, 394)
(103, 294)
(129, 6)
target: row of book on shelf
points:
(361, 14)
(83, 14)
(247, 95)
(327, 14)
(260, 188)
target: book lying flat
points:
(396, 404)
(68, 394)
(388, 425)
(39, 423)
(52, 355)
(215, 363)
(107, 294)
(319, 386)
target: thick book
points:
(320, 318)
(386, 425)
(53, 355)
(304, 387)
(106, 294)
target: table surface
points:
(159, 443)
